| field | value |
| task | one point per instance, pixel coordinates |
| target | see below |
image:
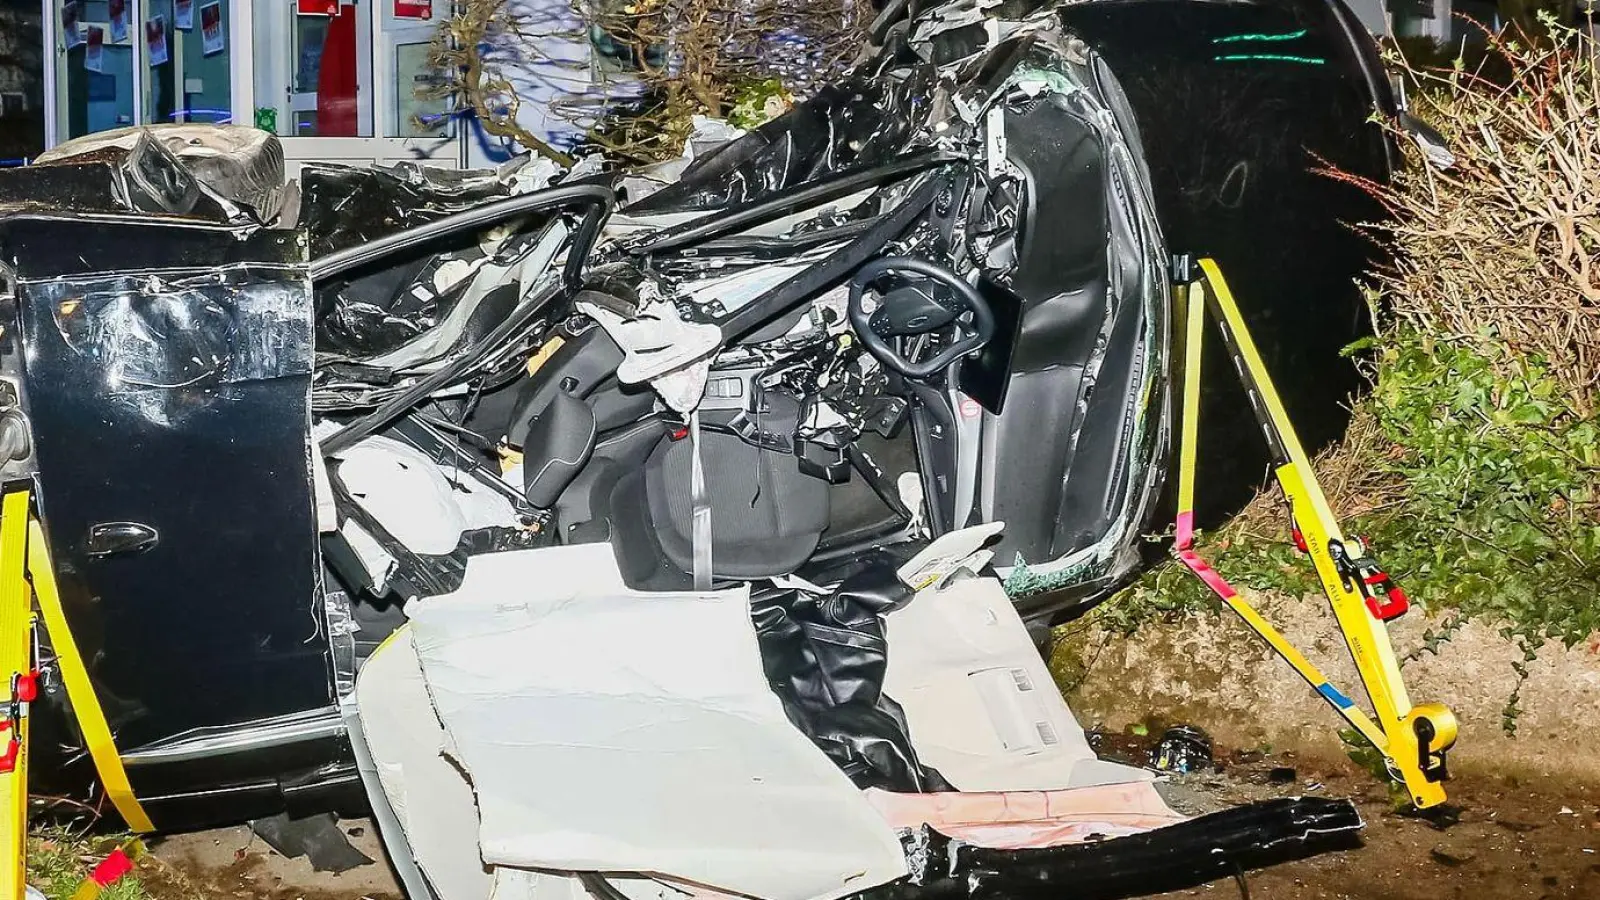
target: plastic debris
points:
(1182, 749)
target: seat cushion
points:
(766, 517)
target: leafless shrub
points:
(719, 58)
(457, 52)
(1505, 243)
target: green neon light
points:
(1280, 36)
(1270, 57)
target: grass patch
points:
(59, 859)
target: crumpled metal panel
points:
(345, 206)
(342, 206)
(169, 346)
(862, 122)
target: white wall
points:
(554, 62)
(1374, 14)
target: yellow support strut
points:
(16, 662)
(1413, 739)
(25, 558)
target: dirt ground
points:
(234, 863)
(1512, 839)
(1506, 839)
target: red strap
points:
(1395, 602)
(112, 868)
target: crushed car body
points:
(680, 531)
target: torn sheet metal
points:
(861, 122)
(408, 312)
(349, 205)
(165, 168)
(609, 730)
(1166, 859)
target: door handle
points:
(110, 538)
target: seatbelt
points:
(700, 526)
(25, 556)
(1412, 739)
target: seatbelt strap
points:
(701, 523)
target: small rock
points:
(1452, 856)
(1565, 811)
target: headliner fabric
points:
(609, 730)
(980, 703)
(434, 802)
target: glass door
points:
(313, 74)
(193, 83)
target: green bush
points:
(1489, 507)
(1498, 515)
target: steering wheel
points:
(911, 309)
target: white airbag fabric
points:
(608, 730)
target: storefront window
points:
(417, 112)
(126, 62)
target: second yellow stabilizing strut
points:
(1412, 739)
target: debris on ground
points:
(1182, 749)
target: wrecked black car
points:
(595, 478)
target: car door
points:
(168, 376)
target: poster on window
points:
(94, 51)
(183, 15)
(117, 10)
(71, 30)
(211, 37)
(413, 9)
(155, 40)
(329, 8)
